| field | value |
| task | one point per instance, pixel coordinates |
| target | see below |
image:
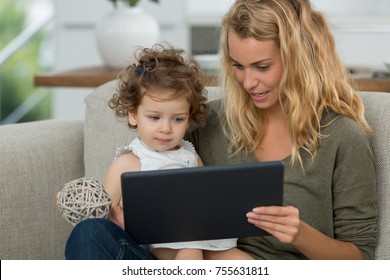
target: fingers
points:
(276, 210)
(277, 215)
(284, 233)
(281, 222)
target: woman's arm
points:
(284, 223)
(353, 208)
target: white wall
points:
(353, 8)
(361, 28)
(76, 48)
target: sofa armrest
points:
(37, 159)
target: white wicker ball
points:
(83, 198)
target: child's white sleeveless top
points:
(185, 156)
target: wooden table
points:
(83, 77)
(372, 84)
(96, 76)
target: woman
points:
(287, 97)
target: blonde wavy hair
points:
(313, 81)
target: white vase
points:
(122, 31)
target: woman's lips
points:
(259, 96)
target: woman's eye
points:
(236, 65)
(263, 67)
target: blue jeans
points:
(101, 239)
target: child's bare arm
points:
(112, 181)
(200, 162)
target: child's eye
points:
(154, 118)
(178, 119)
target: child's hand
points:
(116, 214)
(58, 196)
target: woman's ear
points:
(132, 119)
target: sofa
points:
(38, 158)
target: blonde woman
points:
(287, 97)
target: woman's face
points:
(258, 67)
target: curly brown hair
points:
(160, 69)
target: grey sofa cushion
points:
(377, 112)
(36, 161)
(103, 132)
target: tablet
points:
(198, 203)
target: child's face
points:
(161, 124)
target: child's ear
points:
(132, 119)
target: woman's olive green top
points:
(335, 194)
